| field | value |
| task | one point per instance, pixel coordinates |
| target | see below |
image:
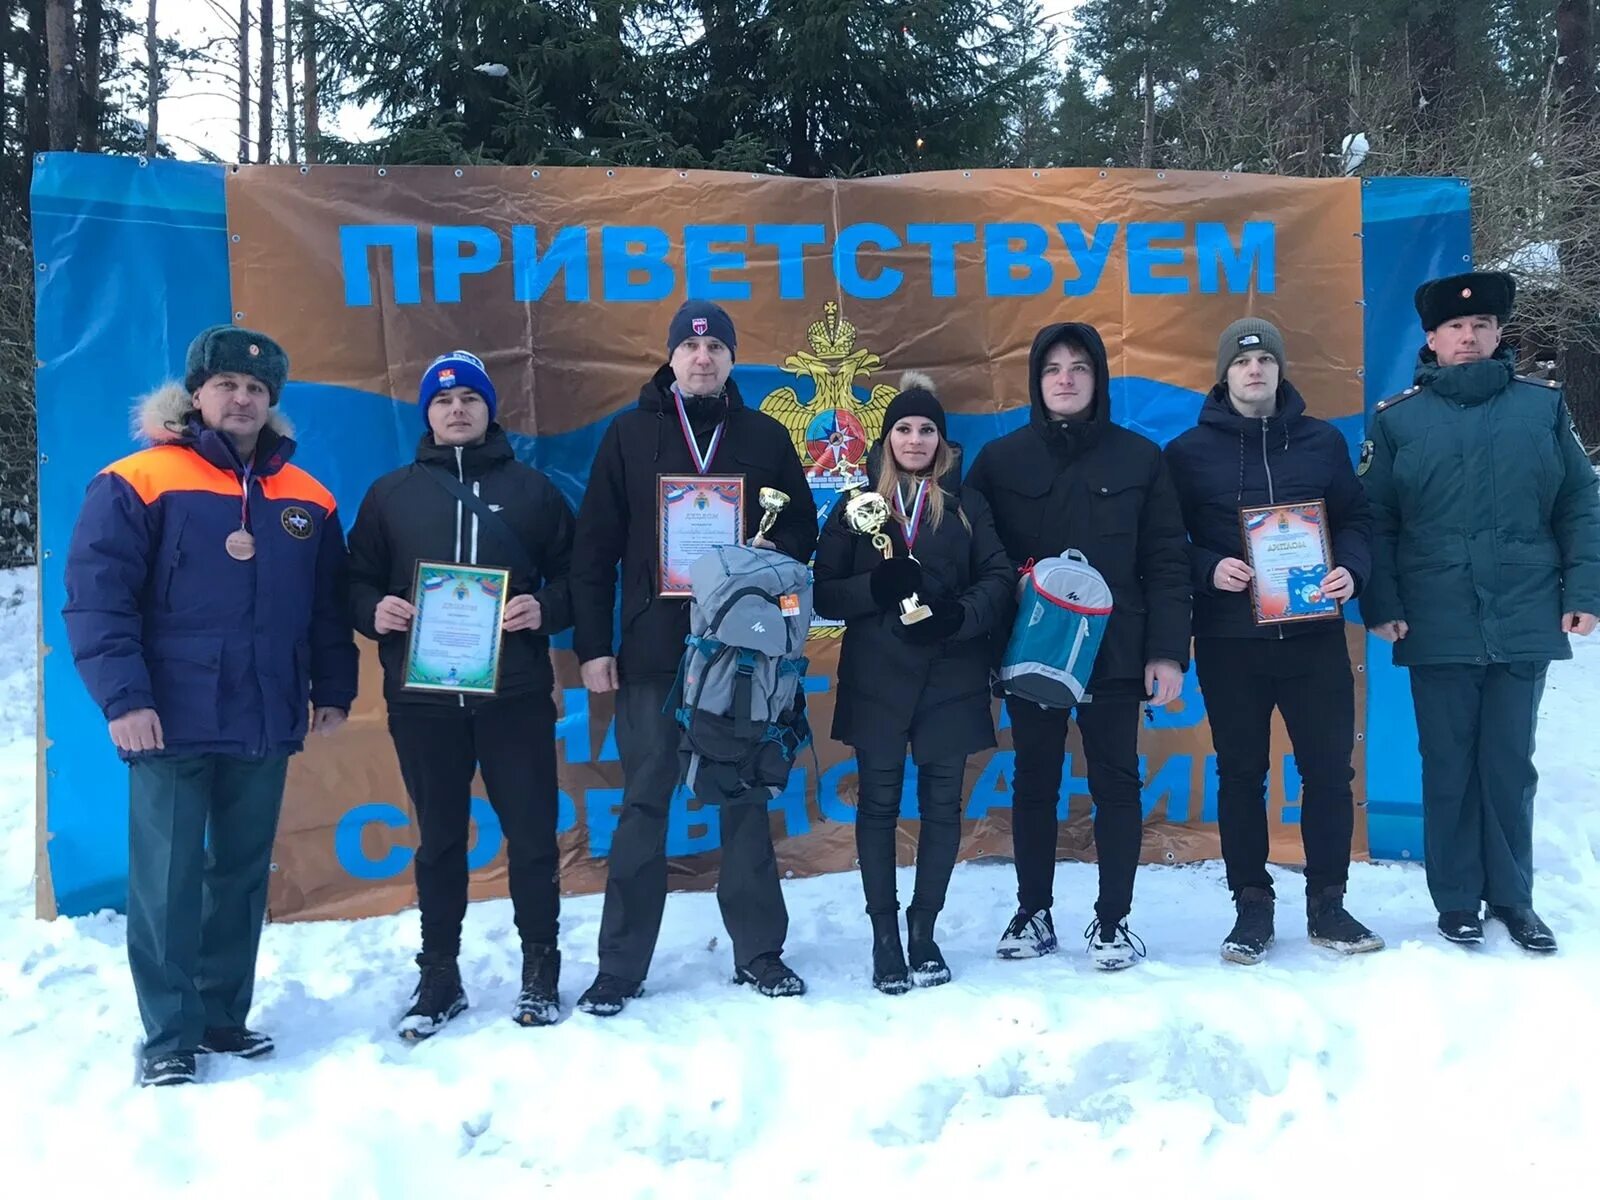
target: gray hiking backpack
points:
(739, 697)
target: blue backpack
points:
(1062, 613)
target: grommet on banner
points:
(234, 238)
(40, 160)
(143, 161)
(611, 174)
(1225, 175)
(1036, 174)
(966, 174)
(43, 268)
(382, 171)
(683, 174)
(1405, 854)
(238, 316)
(305, 170)
(44, 458)
(1361, 372)
(458, 172)
(536, 175)
(1361, 737)
(234, 169)
(1161, 174)
(1103, 174)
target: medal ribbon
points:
(244, 500)
(701, 463)
(912, 523)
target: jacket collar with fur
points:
(167, 416)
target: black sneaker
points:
(928, 968)
(889, 973)
(1030, 935)
(608, 995)
(1112, 947)
(770, 976)
(1252, 933)
(1462, 926)
(1525, 928)
(1328, 924)
(237, 1041)
(166, 1070)
(439, 999)
(539, 1002)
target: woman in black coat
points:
(926, 684)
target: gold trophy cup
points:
(867, 513)
(772, 502)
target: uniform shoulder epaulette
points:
(1549, 383)
(1393, 400)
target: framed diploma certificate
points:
(1289, 549)
(694, 514)
(455, 637)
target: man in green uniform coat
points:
(1485, 556)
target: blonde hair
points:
(890, 475)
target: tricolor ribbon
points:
(913, 522)
(701, 463)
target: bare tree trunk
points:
(288, 81)
(89, 79)
(152, 52)
(1580, 256)
(1147, 147)
(244, 81)
(308, 53)
(63, 72)
(268, 78)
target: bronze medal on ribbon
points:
(241, 544)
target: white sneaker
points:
(1120, 952)
(1030, 935)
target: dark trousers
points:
(881, 778)
(1306, 678)
(1110, 730)
(748, 891)
(513, 741)
(1475, 728)
(200, 830)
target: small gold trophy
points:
(867, 513)
(772, 502)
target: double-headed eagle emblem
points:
(834, 426)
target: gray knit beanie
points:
(1250, 333)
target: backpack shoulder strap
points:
(515, 553)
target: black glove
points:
(942, 623)
(893, 580)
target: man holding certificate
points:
(1278, 539)
(677, 474)
(458, 568)
(1486, 556)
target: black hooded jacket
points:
(1096, 487)
(616, 523)
(1229, 461)
(891, 690)
(406, 516)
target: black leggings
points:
(881, 779)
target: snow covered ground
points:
(1426, 1070)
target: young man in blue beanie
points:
(689, 420)
(466, 499)
(1255, 444)
(206, 614)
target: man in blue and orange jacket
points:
(207, 615)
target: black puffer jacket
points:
(616, 522)
(1094, 486)
(1228, 462)
(890, 691)
(406, 516)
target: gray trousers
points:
(748, 891)
(196, 902)
(1475, 728)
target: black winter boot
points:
(1252, 931)
(439, 999)
(1525, 928)
(889, 974)
(1464, 926)
(1328, 924)
(237, 1041)
(928, 968)
(539, 1002)
(770, 976)
(608, 995)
